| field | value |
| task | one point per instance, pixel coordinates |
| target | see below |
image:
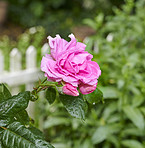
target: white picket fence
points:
(17, 76)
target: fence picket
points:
(86, 40)
(109, 37)
(15, 65)
(31, 57)
(15, 60)
(30, 66)
(96, 48)
(1, 62)
(45, 49)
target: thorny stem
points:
(41, 86)
(38, 88)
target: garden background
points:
(114, 32)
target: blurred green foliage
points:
(120, 121)
(57, 16)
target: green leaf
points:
(50, 94)
(135, 116)
(132, 132)
(90, 23)
(1, 146)
(22, 117)
(132, 144)
(94, 97)
(104, 132)
(17, 135)
(143, 110)
(15, 104)
(109, 110)
(87, 144)
(36, 131)
(4, 121)
(76, 106)
(4, 93)
(109, 92)
(1, 130)
(137, 101)
(114, 140)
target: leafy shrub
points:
(16, 129)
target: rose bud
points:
(68, 89)
(86, 89)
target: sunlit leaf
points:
(132, 144)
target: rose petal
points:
(57, 45)
(48, 66)
(80, 57)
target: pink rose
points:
(71, 64)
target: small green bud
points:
(33, 97)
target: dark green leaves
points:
(22, 117)
(4, 121)
(17, 135)
(13, 118)
(0, 145)
(94, 97)
(15, 104)
(13, 107)
(50, 94)
(76, 106)
(4, 93)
